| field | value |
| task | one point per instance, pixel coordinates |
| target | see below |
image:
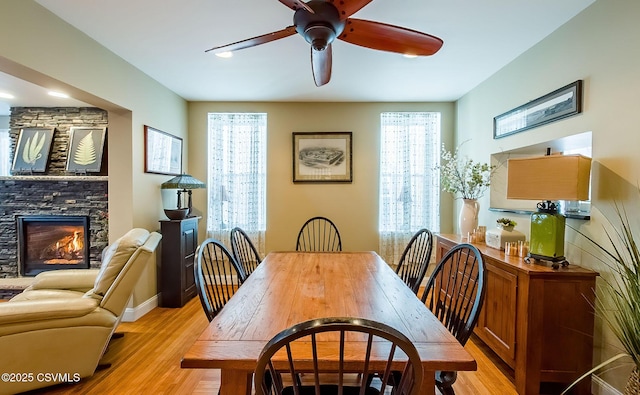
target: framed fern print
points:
(85, 149)
(32, 151)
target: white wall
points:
(602, 47)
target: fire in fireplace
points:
(52, 242)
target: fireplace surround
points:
(54, 192)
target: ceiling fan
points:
(322, 21)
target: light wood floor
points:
(147, 361)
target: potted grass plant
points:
(619, 298)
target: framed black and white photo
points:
(86, 145)
(162, 152)
(32, 150)
(559, 104)
(322, 157)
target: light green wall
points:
(602, 47)
(38, 47)
(354, 207)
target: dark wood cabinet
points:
(539, 320)
(176, 277)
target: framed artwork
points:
(86, 145)
(32, 150)
(322, 157)
(559, 104)
(162, 152)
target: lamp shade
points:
(552, 177)
(184, 181)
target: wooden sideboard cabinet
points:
(176, 276)
(539, 320)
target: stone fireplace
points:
(52, 242)
(54, 192)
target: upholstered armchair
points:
(62, 323)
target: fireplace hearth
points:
(52, 242)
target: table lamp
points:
(549, 179)
(184, 184)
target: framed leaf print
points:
(85, 149)
(32, 150)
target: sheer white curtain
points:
(409, 185)
(237, 176)
(5, 158)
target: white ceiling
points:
(167, 40)
(27, 94)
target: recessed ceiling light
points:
(58, 94)
(225, 55)
(6, 95)
(410, 56)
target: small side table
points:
(176, 275)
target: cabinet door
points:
(497, 322)
(190, 243)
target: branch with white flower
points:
(464, 177)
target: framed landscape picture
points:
(162, 152)
(559, 104)
(322, 157)
(86, 145)
(32, 150)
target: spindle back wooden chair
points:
(244, 251)
(319, 234)
(316, 351)
(414, 261)
(217, 276)
(454, 293)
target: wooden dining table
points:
(291, 287)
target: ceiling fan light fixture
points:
(410, 55)
(319, 36)
(225, 54)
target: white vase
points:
(468, 219)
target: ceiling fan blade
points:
(377, 35)
(348, 8)
(297, 4)
(321, 65)
(251, 42)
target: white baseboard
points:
(601, 387)
(132, 314)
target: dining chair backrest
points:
(290, 361)
(319, 234)
(217, 276)
(414, 261)
(454, 293)
(244, 251)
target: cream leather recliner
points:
(58, 329)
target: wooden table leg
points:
(428, 386)
(235, 382)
